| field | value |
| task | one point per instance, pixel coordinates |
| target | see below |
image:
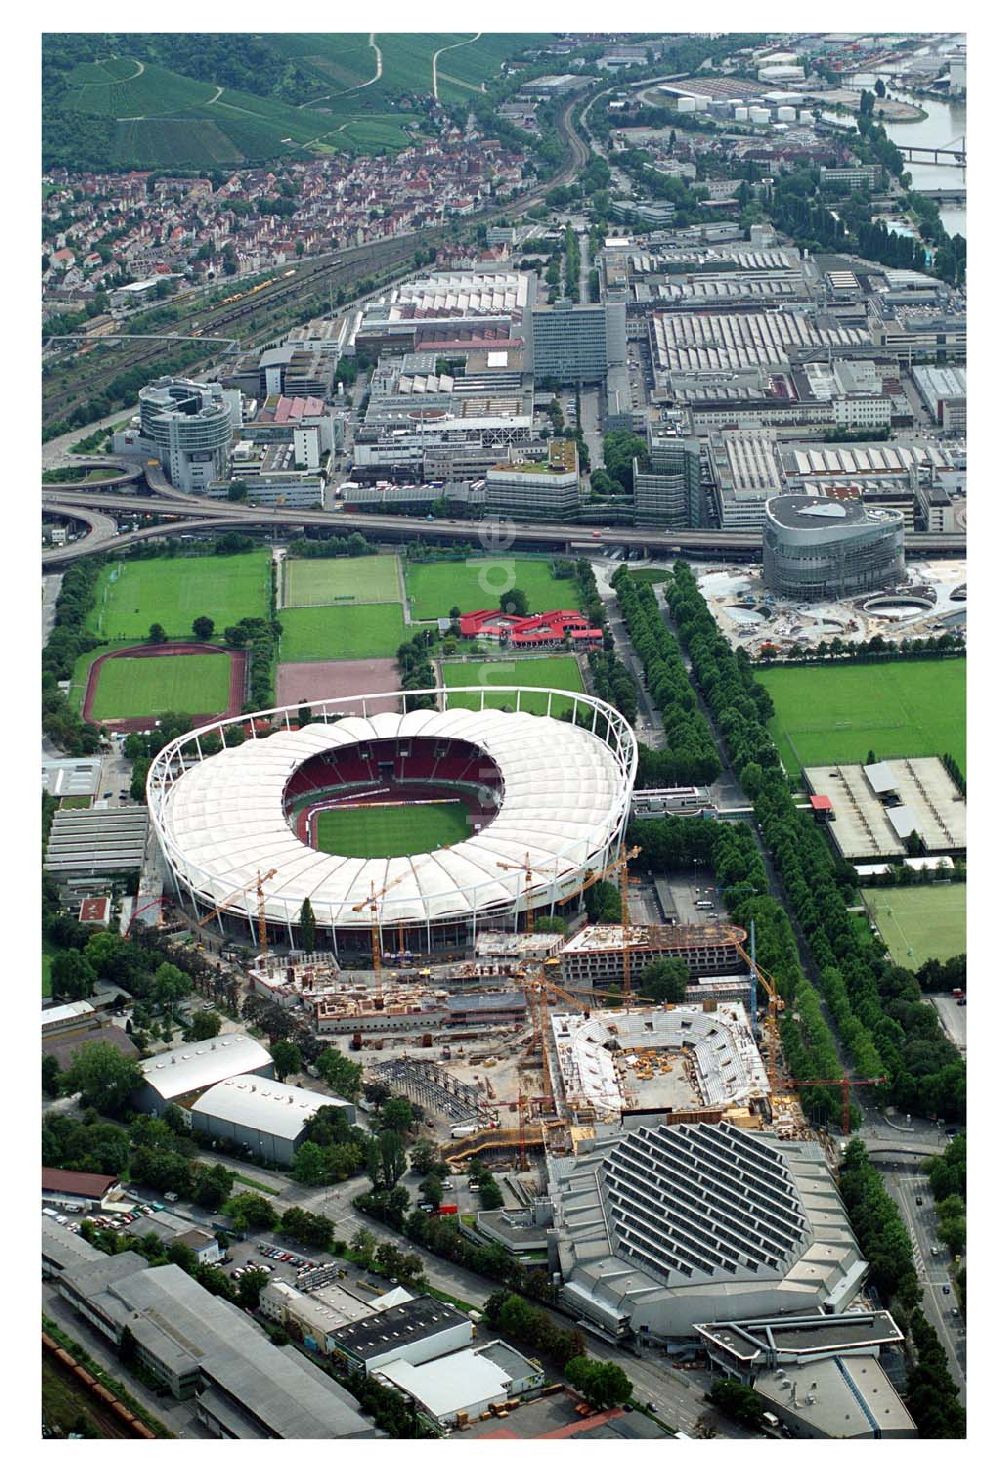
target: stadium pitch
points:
(918, 923)
(391, 830)
(131, 596)
(369, 580)
(560, 672)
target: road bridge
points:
(929, 154)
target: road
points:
(708, 543)
(57, 452)
(932, 1271)
(51, 584)
(648, 727)
(953, 1017)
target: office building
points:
(669, 493)
(537, 489)
(851, 177)
(187, 427)
(822, 548)
(574, 343)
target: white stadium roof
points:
(565, 793)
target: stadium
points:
(430, 823)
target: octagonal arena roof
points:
(565, 792)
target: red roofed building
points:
(822, 807)
(85, 1189)
(532, 632)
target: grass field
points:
(918, 923)
(366, 581)
(133, 596)
(345, 633)
(144, 686)
(899, 709)
(391, 830)
(479, 584)
(542, 671)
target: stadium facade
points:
(824, 548)
(538, 790)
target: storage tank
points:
(701, 103)
(685, 104)
(741, 115)
(760, 115)
(786, 115)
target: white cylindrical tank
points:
(760, 115)
(701, 104)
(685, 104)
(741, 115)
(786, 115)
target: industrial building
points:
(194, 1067)
(92, 846)
(187, 427)
(872, 809)
(723, 342)
(202, 1347)
(747, 473)
(466, 1385)
(416, 1330)
(823, 548)
(662, 1228)
(270, 1118)
(449, 308)
(595, 955)
(71, 777)
(537, 489)
(678, 1061)
(669, 494)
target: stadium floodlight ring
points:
(221, 820)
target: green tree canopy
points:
(103, 1076)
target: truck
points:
(447, 1209)
(464, 1131)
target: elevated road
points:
(495, 536)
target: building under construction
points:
(677, 1063)
(596, 955)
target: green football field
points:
(145, 686)
(345, 633)
(898, 709)
(392, 830)
(561, 672)
(478, 584)
(918, 923)
(368, 580)
(133, 596)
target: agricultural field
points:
(321, 633)
(479, 584)
(134, 595)
(466, 68)
(391, 830)
(918, 923)
(837, 714)
(561, 672)
(145, 686)
(370, 580)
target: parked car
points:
(946, 1289)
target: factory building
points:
(203, 1348)
(270, 1118)
(462, 1386)
(822, 548)
(662, 1228)
(418, 1330)
(669, 494)
(747, 473)
(198, 1065)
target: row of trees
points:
(875, 649)
(931, 1393)
(68, 640)
(614, 683)
(692, 755)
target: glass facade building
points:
(821, 548)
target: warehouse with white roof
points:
(557, 790)
(270, 1118)
(194, 1067)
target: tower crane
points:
(844, 1083)
(529, 871)
(258, 886)
(371, 901)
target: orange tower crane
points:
(844, 1083)
(371, 901)
(529, 871)
(258, 886)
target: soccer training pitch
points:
(392, 830)
(898, 709)
(145, 686)
(134, 595)
(369, 580)
(479, 584)
(918, 923)
(561, 672)
(322, 633)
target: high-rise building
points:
(189, 427)
(574, 343)
(669, 494)
(537, 489)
